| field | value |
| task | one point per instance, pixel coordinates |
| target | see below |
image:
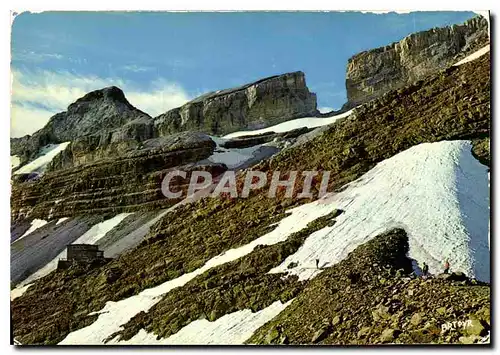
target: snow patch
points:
(98, 231)
(18, 291)
(35, 224)
(14, 161)
(474, 55)
(231, 329)
(310, 122)
(46, 155)
(325, 109)
(61, 220)
(437, 192)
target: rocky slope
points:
(453, 104)
(372, 73)
(259, 104)
(373, 297)
(125, 183)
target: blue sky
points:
(161, 60)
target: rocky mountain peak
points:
(112, 93)
(95, 117)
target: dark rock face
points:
(260, 104)
(101, 119)
(372, 73)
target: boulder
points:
(364, 332)
(476, 327)
(389, 335)
(320, 334)
(416, 319)
(336, 320)
(471, 339)
(381, 312)
(272, 335)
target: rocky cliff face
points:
(263, 103)
(129, 182)
(372, 73)
(101, 119)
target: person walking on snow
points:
(446, 266)
(317, 263)
(425, 269)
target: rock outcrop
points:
(102, 119)
(372, 73)
(256, 105)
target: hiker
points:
(317, 263)
(446, 266)
(425, 269)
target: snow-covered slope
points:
(240, 158)
(310, 122)
(236, 157)
(232, 329)
(475, 55)
(39, 164)
(437, 192)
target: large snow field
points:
(231, 329)
(437, 192)
(473, 56)
(46, 155)
(92, 236)
(310, 122)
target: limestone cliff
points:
(97, 120)
(372, 73)
(262, 103)
(127, 182)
